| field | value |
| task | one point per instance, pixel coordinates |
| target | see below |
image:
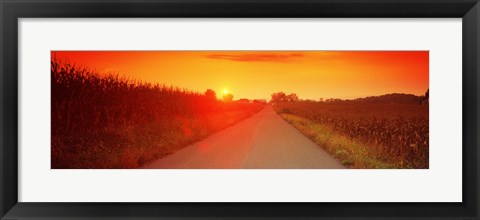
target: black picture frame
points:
(12, 10)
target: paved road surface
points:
(263, 141)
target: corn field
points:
(399, 133)
(106, 121)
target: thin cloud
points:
(257, 57)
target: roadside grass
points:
(351, 153)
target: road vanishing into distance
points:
(263, 141)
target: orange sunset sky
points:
(258, 74)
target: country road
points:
(263, 141)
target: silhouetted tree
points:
(210, 94)
(278, 97)
(292, 97)
(227, 97)
(426, 99)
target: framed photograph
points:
(229, 109)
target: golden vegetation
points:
(365, 135)
(106, 121)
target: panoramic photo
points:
(239, 109)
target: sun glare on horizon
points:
(257, 74)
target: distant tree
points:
(210, 94)
(292, 97)
(227, 97)
(334, 100)
(320, 100)
(278, 97)
(393, 98)
(426, 99)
